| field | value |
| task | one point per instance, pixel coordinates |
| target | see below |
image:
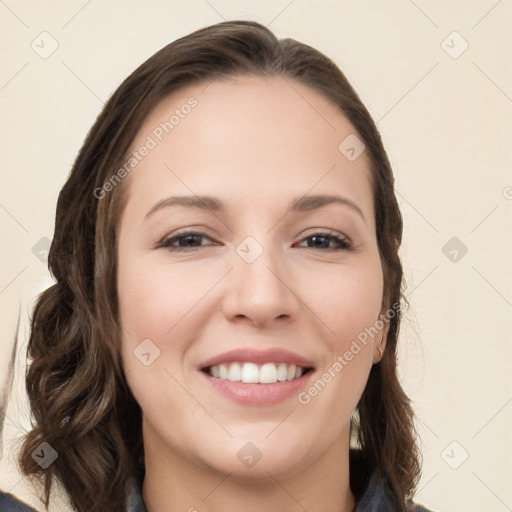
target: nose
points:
(261, 293)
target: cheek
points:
(161, 310)
(154, 299)
(151, 304)
(348, 301)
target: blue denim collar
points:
(135, 502)
(376, 498)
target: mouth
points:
(256, 377)
(250, 372)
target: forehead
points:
(247, 137)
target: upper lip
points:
(271, 355)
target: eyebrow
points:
(302, 204)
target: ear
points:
(381, 339)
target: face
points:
(241, 312)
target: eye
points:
(190, 240)
(322, 240)
(183, 241)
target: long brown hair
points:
(80, 401)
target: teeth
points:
(268, 373)
(223, 371)
(282, 372)
(250, 373)
(235, 372)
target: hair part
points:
(80, 400)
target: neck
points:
(175, 483)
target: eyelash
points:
(343, 243)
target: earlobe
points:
(381, 345)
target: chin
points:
(260, 458)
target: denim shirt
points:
(376, 498)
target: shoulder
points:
(8, 503)
(372, 490)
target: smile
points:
(252, 373)
(257, 377)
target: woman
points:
(256, 370)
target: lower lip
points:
(258, 394)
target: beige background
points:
(446, 123)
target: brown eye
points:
(324, 240)
(184, 241)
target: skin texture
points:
(256, 144)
